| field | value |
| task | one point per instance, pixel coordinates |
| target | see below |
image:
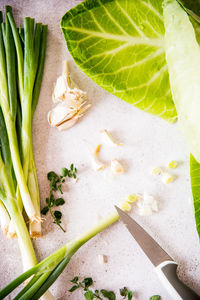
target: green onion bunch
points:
(22, 57)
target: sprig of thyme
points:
(55, 185)
(97, 294)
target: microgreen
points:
(97, 294)
(55, 184)
(155, 297)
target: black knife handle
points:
(176, 288)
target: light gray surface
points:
(149, 142)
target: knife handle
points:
(176, 288)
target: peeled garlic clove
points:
(116, 167)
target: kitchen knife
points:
(164, 265)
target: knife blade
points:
(165, 266)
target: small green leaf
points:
(155, 297)
(75, 287)
(74, 280)
(51, 175)
(59, 201)
(89, 295)
(47, 201)
(64, 172)
(87, 282)
(74, 175)
(45, 210)
(72, 167)
(108, 294)
(57, 214)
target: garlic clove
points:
(116, 167)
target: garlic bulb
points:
(71, 102)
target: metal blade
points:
(150, 247)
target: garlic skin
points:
(97, 165)
(71, 102)
(109, 139)
(116, 167)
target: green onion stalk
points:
(16, 114)
(8, 103)
(4, 219)
(30, 44)
(9, 201)
(44, 274)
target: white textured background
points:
(149, 142)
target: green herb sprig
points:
(97, 294)
(55, 185)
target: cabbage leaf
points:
(120, 45)
(195, 185)
(183, 59)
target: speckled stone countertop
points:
(148, 142)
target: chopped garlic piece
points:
(147, 205)
(116, 167)
(132, 198)
(173, 164)
(72, 102)
(109, 138)
(102, 259)
(157, 171)
(96, 163)
(167, 178)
